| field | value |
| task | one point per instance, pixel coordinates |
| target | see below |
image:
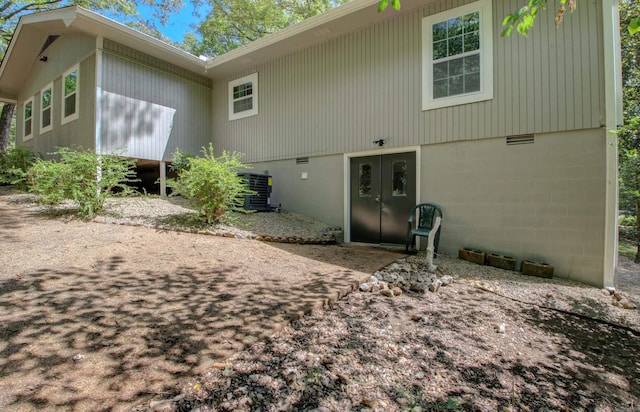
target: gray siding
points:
(341, 95)
(150, 107)
(68, 50)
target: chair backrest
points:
(427, 214)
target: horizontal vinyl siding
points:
(341, 95)
(148, 112)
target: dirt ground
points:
(100, 317)
(107, 317)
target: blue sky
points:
(179, 23)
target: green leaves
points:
(634, 25)
(211, 183)
(83, 176)
(382, 6)
(523, 18)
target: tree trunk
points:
(637, 207)
(5, 125)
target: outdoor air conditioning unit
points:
(261, 184)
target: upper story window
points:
(243, 97)
(27, 126)
(457, 56)
(46, 99)
(70, 94)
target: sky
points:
(178, 24)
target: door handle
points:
(378, 198)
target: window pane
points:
(439, 31)
(70, 82)
(440, 88)
(46, 98)
(455, 67)
(471, 22)
(364, 180)
(27, 127)
(27, 110)
(441, 70)
(69, 105)
(472, 83)
(46, 117)
(439, 50)
(456, 27)
(455, 46)
(243, 105)
(456, 85)
(400, 178)
(471, 42)
(242, 90)
(472, 64)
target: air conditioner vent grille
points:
(520, 139)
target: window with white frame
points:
(457, 56)
(243, 97)
(46, 101)
(27, 117)
(70, 94)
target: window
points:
(364, 180)
(28, 119)
(46, 95)
(70, 86)
(457, 56)
(243, 97)
(400, 174)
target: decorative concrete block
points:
(475, 256)
(501, 262)
(542, 270)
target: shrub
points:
(211, 183)
(14, 165)
(83, 176)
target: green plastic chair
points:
(421, 221)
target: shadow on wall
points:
(135, 128)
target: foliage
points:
(212, 183)
(627, 249)
(83, 176)
(180, 161)
(524, 17)
(630, 187)
(14, 165)
(232, 23)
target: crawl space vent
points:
(520, 139)
(302, 160)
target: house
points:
(358, 115)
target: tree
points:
(12, 10)
(232, 23)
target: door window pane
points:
(400, 178)
(364, 180)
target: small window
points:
(400, 178)
(46, 95)
(28, 119)
(364, 180)
(243, 97)
(70, 88)
(457, 56)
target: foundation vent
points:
(302, 160)
(520, 139)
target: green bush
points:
(83, 176)
(211, 183)
(14, 166)
(627, 220)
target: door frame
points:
(347, 180)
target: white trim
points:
(486, 56)
(76, 114)
(613, 117)
(98, 89)
(253, 79)
(45, 129)
(29, 136)
(346, 172)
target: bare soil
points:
(99, 316)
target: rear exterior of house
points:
(76, 83)
(510, 137)
(359, 115)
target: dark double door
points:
(383, 190)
